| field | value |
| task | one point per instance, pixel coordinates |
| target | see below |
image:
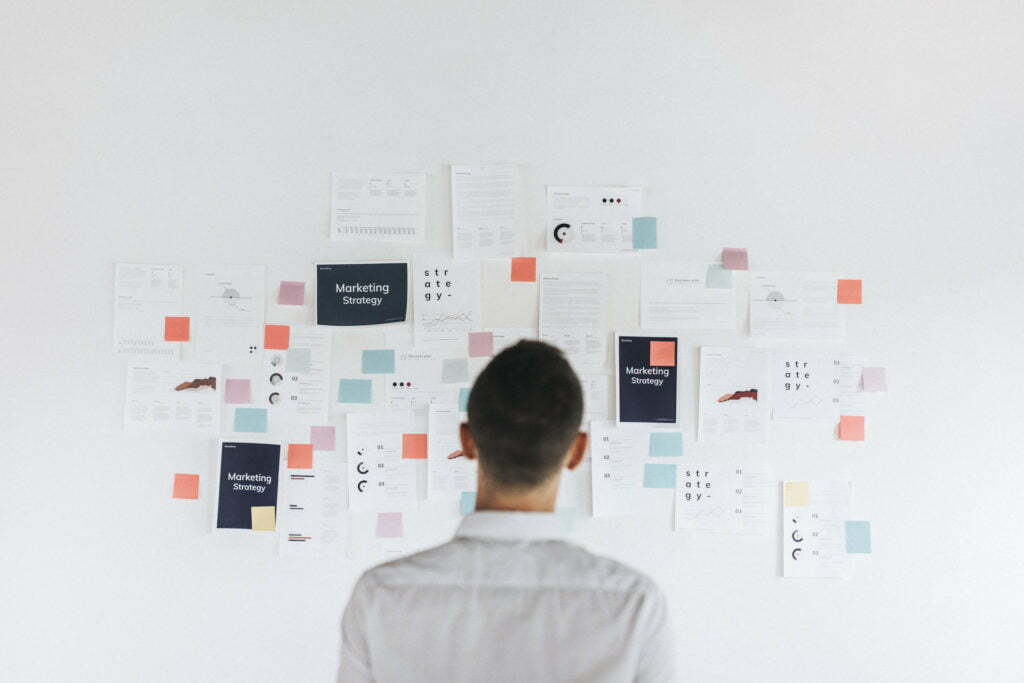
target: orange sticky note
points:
(524, 269)
(276, 337)
(186, 486)
(851, 427)
(848, 291)
(414, 446)
(176, 328)
(300, 456)
(663, 353)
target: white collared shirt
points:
(506, 600)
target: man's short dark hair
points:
(524, 412)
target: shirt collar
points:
(511, 526)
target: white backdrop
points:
(882, 140)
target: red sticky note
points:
(186, 486)
(663, 353)
(851, 428)
(276, 337)
(300, 456)
(848, 291)
(414, 446)
(524, 269)
(176, 328)
(481, 344)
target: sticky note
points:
(263, 517)
(858, 537)
(796, 494)
(718, 277)
(176, 328)
(414, 446)
(322, 437)
(666, 444)
(645, 232)
(848, 291)
(299, 361)
(657, 476)
(481, 344)
(291, 293)
(276, 337)
(851, 427)
(524, 269)
(300, 456)
(455, 371)
(237, 391)
(378, 361)
(734, 259)
(389, 525)
(250, 419)
(663, 353)
(464, 399)
(186, 486)
(872, 379)
(355, 391)
(467, 502)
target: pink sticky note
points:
(186, 486)
(734, 259)
(851, 428)
(663, 353)
(481, 344)
(291, 293)
(237, 391)
(322, 438)
(389, 525)
(872, 379)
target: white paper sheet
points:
(815, 385)
(379, 478)
(153, 402)
(447, 299)
(574, 316)
(294, 382)
(723, 498)
(674, 296)
(814, 535)
(144, 294)
(447, 478)
(591, 219)
(229, 305)
(311, 517)
(419, 380)
(730, 378)
(485, 206)
(618, 457)
(386, 207)
(790, 305)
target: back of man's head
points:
(524, 414)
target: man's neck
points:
(538, 499)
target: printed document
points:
(447, 299)
(173, 395)
(788, 305)
(144, 294)
(592, 219)
(723, 498)
(733, 401)
(485, 202)
(388, 207)
(574, 316)
(229, 308)
(675, 296)
(813, 528)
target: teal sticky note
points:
(657, 476)
(299, 360)
(858, 537)
(355, 391)
(464, 399)
(718, 277)
(666, 445)
(645, 232)
(250, 419)
(378, 361)
(454, 370)
(467, 502)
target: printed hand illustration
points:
(196, 383)
(737, 395)
(456, 454)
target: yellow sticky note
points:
(263, 518)
(794, 494)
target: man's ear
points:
(468, 445)
(578, 450)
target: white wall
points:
(880, 139)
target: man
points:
(507, 599)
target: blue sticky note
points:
(455, 370)
(467, 502)
(464, 399)
(858, 537)
(250, 419)
(378, 361)
(355, 391)
(718, 277)
(657, 476)
(645, 232)
(666, 445)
